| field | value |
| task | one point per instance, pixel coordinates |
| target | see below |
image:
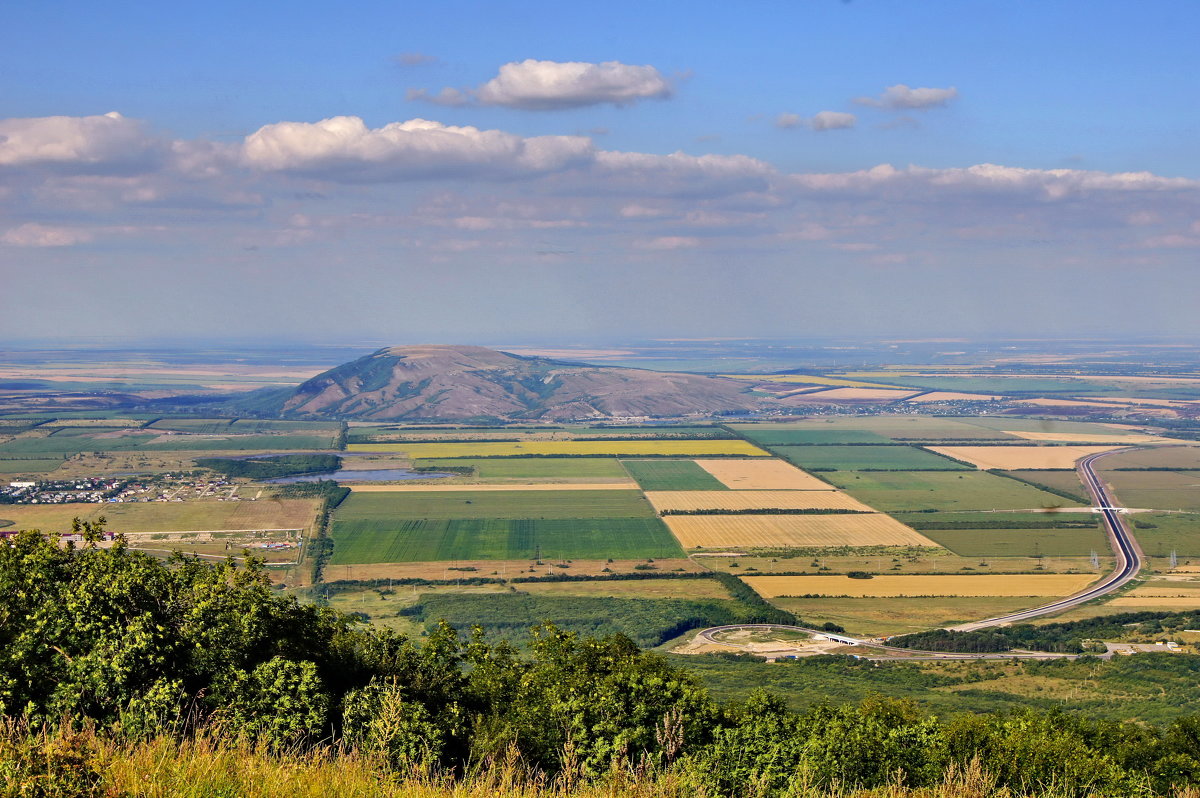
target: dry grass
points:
(782, 531)
(807, 379)
(692, 500)
(197, 516)
(637, 448)
(1156, 602)
(695, 589)
(616, 484)
(1015, 458)
(761, 475)
(939, 585)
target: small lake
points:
(366, 475)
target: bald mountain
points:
(472, 382)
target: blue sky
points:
(790, 168)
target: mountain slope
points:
(466, 382)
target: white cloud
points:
(33, 234)
(345, 149)
(680, 174)
(534, 85)
(108, 143)
(901, 97)
(665, 243)
(1046, 184)
(832, 120)
(822, 120)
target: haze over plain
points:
(468, 171)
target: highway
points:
(1129, 556)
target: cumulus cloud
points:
(533, 85)
(904, 98)
(81, 144)
(343, 148)
(33, 234)
(822, 120)
(665, 243)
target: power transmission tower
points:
(1174, 558)
(1095, 560)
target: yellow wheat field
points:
(676, 448)
(761, 475)
(940, 585)
(1009, 458)
(1088, 437)
(692, 500)
(1155, 602)
(379, 488)
(773, 531)
(951, 396)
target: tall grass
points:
(81, 763)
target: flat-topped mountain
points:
(466, 382)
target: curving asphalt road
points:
(1129, 556)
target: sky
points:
(470, 172)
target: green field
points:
(1003, 385)
(922, 428)
(854, 458)
(1156, 457)
(31, 466)
(672, 475)
(509, 504)
(1178, 533)
(245, 443)
(1046, 425)
(1021, 542)
(899, 491)
(1065, 480)
(370, 540)
(537, 468)
(66, 445)
(1157, 490)
(647, 622)
(804, 437)
(203, 425)
(251, 425)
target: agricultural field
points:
(30, 466)
(892, 560)
(242, 443)
(639, 448)
(500, 505)
(535, 468)
(1113, 438)
(899, 615)
(208, 426)
(1158, 534)
(949, 585)
(1015, 426)
(1011, 458)
(191, 516)
(791, 531)
(1156, 490)
(429, 486)
(897, 427)
(952, 396)
(1187, 457)
(855, 458)
(672, 475)
(900, 491)
(861, 395)
(697, 589)
(1020, 542)
(450, 570)
(39, 442)
(382, 540)
(742, 500)
(761, 474)
(1064, 480)
(769, 436)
